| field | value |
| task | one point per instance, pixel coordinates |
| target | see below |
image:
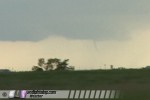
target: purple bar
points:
(23, 94)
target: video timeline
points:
(60, 94)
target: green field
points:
(133, 83)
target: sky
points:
(91, 33)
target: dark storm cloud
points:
(32, 20)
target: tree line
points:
(52, 64)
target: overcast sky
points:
(90, 33)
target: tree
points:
(62, 65)
(53, 64)
(41, 62)
(111, 66)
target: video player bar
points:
(60, 94)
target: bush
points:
(36, 68)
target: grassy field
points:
(133, 83)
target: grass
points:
(134, 83)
